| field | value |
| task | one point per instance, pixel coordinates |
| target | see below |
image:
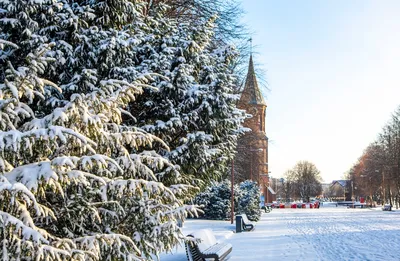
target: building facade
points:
(252, 150)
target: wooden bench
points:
(267, 209)
(243, 223)
(202, 245)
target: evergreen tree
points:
(76, 182)
(194, 108)
(216, 200)
(249, 202)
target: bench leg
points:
(239, 224)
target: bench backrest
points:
(245, 219)
(207, 238)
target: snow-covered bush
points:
(216, 200)
(249, 200)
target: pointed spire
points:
(251, 93)
(251, 46)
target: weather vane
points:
(251, 45)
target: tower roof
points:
(251, 93)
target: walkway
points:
(309, 234)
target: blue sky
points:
(333, 74)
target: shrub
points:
(216, 200)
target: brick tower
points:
(252, 150)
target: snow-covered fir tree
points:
(249, 201)
(76, 183)
(193, 109)
(216, 200)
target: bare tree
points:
(377, 171)
(229, 29)
(367, 173)
(288, 187)
(306, 180)
(228, 25)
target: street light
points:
(265, 175)
(282, 180)
(232, 195)
(352, 190)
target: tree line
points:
(376, 174)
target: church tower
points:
(252, 150)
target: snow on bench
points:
(202, 244)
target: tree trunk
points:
(390, 196)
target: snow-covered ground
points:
(328, 233)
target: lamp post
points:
(383, 188)
(251, 168)
(370, 192)
(232, 196)
(352, 190)
(265, 187)
(282, 180)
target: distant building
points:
(340, 190)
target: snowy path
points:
(310, 234)
(348, 234)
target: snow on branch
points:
(26, 232)
(137, 139)
(4, 42)
(181, 189)
(34, 174)
(119, 188)
(14, 139)
(54, 174)
(119, 245)
(134, 167)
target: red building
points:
(252, 156)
